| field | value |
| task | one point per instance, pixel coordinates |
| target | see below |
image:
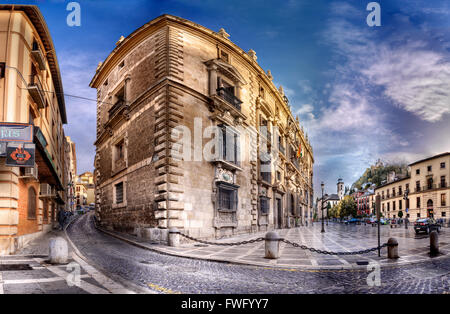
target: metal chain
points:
(304, 247)
(222, 244)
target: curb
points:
(161, 250)
(125, 283)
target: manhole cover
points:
(146, 262)
(12, 267)
(362, 263)
(201, 245)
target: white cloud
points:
(77, 70)
(416, 79)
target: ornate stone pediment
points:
(226, 69)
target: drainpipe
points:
(6, 61)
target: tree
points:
(347, 207)
(400, 214)
(333, 212)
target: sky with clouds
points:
(361, 92)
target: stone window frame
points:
(224, 131)
(123, 138)
(229, 187)
(260, 208)
(122, 180)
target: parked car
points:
(371, 220)
(352, 221)
(427, 225)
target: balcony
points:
(294, 161)
(116, 107)
(38, 55)
(36, 91)
(442, 185)
(229, 98)
(430, 187)
(417, 189)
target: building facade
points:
(71, 170)
(31, 94)
(192, 133)
(87, 179)
(330, 200)
(428, 190)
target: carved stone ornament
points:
(223, 33)
(225, 175)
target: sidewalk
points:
(28, 272)
(338, 238)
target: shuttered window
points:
(31, 203)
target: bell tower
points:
(340, 189)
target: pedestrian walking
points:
(61, 218)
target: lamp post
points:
(405, 197)
(321, 205)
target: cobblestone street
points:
(338, 238)
(171, 274)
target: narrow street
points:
(168, 274)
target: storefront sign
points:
(16, 132)
(20, 155)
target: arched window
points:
(31, 203)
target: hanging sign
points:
(20, 155)
(16, 132)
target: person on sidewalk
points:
(61, 218)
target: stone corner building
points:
(170, 73)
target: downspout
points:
(6, 61)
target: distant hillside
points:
(377, 173)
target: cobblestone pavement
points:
(171, 274)
(28, 272)
(337, 238)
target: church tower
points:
(340, 189)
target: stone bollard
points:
(434, 243)
(272, 245)
(392, 248)
(58, 251)
(174, 237)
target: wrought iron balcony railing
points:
(229, 98)
(116, 107)
(36, 91)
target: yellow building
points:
(31, 94)
(429, 191)
(87, 179)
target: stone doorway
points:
(279, 213)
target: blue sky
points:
(361, 92)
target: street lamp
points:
(321, 205)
